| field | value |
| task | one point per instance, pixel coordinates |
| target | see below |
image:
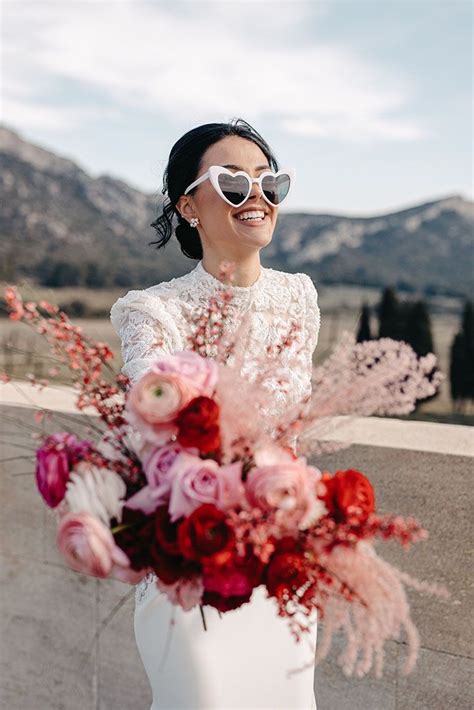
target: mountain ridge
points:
(67, 216)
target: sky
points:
(369, 101)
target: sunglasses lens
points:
(276, 188)
(234, 187)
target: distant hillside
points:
(54, 212)
(56, 221)
(427, 248)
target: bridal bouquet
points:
(191, 476)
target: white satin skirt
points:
(239, 663)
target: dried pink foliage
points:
(85, 359)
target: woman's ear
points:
(185, 206)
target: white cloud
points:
(202, 61)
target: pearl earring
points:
(194, 221)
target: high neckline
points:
(214, 281)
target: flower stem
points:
(118, 528)
(201, 608)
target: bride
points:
(222, 187)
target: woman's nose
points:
(255, 192)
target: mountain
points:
(53, 213)
(59, 222)
(427, 248)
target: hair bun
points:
(189, 239)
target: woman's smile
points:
(255, 222)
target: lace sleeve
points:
(303, 366)
(313, 315)
(146, 330)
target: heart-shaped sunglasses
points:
(235, 188)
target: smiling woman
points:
(212, 169)
(225, 187)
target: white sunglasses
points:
(235, 188)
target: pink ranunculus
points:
(127, 574)
(200, 371)
(186, 593)
(195, 481)
(154, 402)
(88, 546)
(156, 465)
(54, 461)
(279, 482)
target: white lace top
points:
(158, 314)
(144, 318)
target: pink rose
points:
(279, 482)
(54, 461)
(88, 546)
(200, 371)
(156, 464)
(195, 481)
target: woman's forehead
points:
(237, 151)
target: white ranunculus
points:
(98, 491)
(110, 447)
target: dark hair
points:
(183, 167)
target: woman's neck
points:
(246, 272)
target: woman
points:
(241, 660)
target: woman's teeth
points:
(251, 218)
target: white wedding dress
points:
(241, 661)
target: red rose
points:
(166, 532)
(348, 494)
(224, 603)
(198, 425)
(167, 560)
(137, 539)
(205, 536)
(287, 544)
(235, 578)
(285, 571)
(170, 568)
(151, 541)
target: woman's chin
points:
(261, 234)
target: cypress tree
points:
(418, 328)
(364, 325)
(389, 309)
(457, 367)
(468, 333)
(461, 366)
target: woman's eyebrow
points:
(237, 167)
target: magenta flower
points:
(54, 461)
